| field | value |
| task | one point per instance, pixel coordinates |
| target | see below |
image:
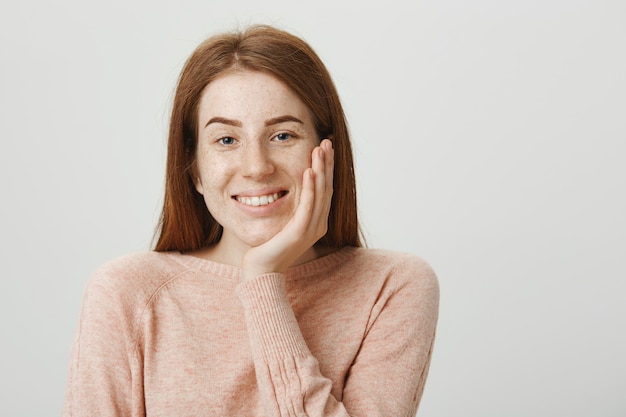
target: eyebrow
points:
(269, 122)
(223, 120)
(282, 119)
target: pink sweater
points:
(172, 335)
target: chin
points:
(254, 238)
(254, 233)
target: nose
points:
(256, 161)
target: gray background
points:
(490, 138)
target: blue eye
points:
(227, 141)
(282, 137)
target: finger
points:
(329, 159)
(319, 168)
(306, 205)
(317, 161)
(329, 166)
(323, 189)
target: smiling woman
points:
(270, 138)
(258, 299)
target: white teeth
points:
(260, 200)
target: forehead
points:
(250, 96)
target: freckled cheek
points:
(296, 171)
(215, 173)
(299, 160)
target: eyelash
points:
(221, 141)
(289, 136)
(285, 137)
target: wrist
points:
(251, 268)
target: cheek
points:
(300, 159)
(295, 170)
(213, 172)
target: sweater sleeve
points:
(104, 374)
(386, 378)
(388, 375)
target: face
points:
(255, 139)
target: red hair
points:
(185, 223)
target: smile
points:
(259, 200)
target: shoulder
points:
(131, 280)
(401, 267)
(402, 285)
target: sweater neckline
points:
(231, 272)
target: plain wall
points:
(489, 136)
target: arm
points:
(103, 378)
(308, 224)
(288, 376)
(388, 375)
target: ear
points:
(195, 178)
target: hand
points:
(308, 224)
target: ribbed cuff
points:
(272, 325)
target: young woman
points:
(259, 299)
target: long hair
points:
(185, 223)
